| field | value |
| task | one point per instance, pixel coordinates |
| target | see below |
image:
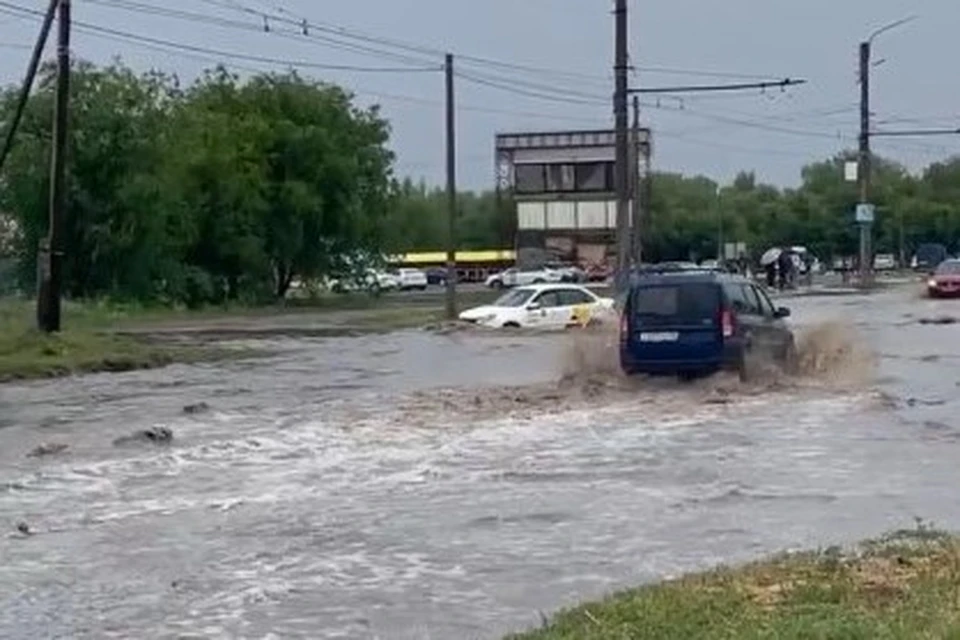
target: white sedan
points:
(542, 306)
(408, 279)
(370, 280)
(514, 277)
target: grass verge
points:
(88, 344)
(31, 354)
(104, 337)
(905, 585)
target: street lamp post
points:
(865, 210)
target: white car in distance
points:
(542, 306)
(408, 279)
(371, 280)
(884, 262)
(515, 277)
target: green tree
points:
(115, 230)
(229, 189)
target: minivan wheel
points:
(746, 366)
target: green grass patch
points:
(87, 343)
(31, 354)
(906, 585)
(112, 336)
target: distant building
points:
(563, 186)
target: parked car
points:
(599, 272)
(884, 262)
(437, 275)
(515, 277)
(370, 280)
(568, 272)
(945, 281)
(408, 279)
(696, 323)
(542, 306)
(929, 256)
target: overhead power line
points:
(168, 44)
(743, 86)
(760, 125)
(210, 57)
(519, 85)
(531, 93)
(535, 90)
(300, 27)
(295, 34)
(915, 133)
(284, 16)
(28, 79)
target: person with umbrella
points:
(769, 263)
(785, 266)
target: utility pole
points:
(636, 230)
(621, 170)
(451, 283)
(863, 173)
(901, 257)
(32, 68)
(51, 254)
(865, 210)
(719, 206)
(647, 199)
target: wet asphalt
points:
(314, 500)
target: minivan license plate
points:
(659, 336)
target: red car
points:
(598, 272)
(945, 280)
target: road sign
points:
(733, 250)
(865, 213)
(851, 171)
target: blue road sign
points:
(865, 213)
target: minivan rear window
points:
(662, 304)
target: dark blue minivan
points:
(696, 323)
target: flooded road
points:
(443, 486)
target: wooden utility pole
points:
(863, 173)
(50, 281)
(646, 200)
(451, 282)
(32, 68)
(865, 209)
(636, 222)
(621, 126)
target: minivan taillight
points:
(624, 326)
(727, 323)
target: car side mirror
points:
(533, 306)
(782, 312)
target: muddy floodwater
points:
(419, 485)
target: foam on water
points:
(330, 518)
(317, 457)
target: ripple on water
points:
(302, 517)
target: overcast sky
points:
(571, 44)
